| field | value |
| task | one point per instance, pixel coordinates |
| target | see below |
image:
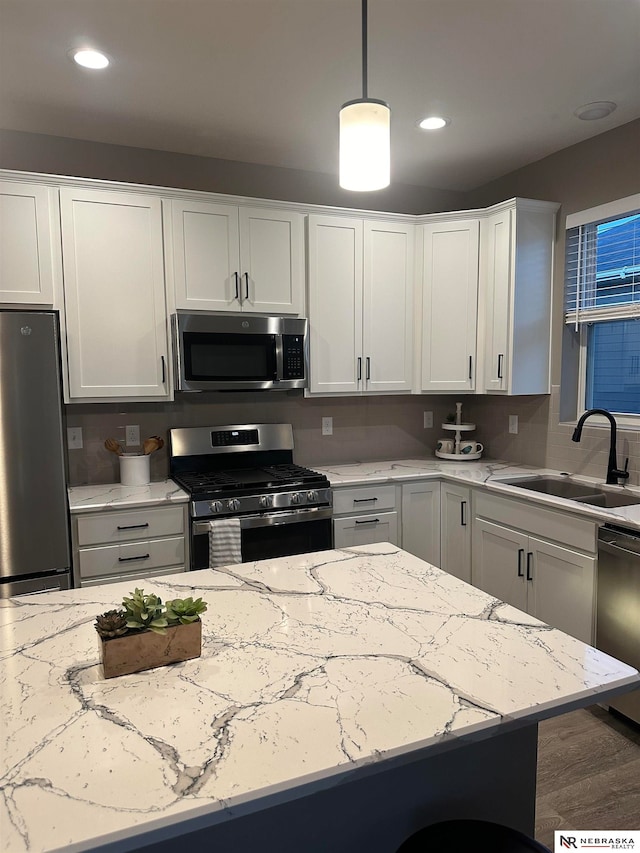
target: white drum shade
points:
(365, 146)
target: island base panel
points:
(492, 779)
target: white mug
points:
(471, 447)
(445, 445)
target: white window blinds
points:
(602, 273)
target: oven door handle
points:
(247, 522)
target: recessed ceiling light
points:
(434, 123)
(89, 58)
(594, 111)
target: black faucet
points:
(613, 473)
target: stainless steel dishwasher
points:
(618, 605)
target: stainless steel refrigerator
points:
(35, 553)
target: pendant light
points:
(365, 149)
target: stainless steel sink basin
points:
(558, 486)
(609, 499)
(581, 492)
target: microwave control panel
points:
(293, 352)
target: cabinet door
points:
(271, 261)
(335, 305)
(365, 530)
(206, 256)
(421, 520)
(114, 290)
(26, 243)
(499, 560)
(562, 588)
(455, 535)
(388, 307)
(496, 290)
(449, 305)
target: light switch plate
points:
(74, 438)
(327, 426)
(513, 424)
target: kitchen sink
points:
(609, 499)
(557, 486)
(581, 492)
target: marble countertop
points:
(313, 667)
(115, 496)
(486, 473)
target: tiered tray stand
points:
(458, 428)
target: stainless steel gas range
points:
(247, 472)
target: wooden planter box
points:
(147, 650)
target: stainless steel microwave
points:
(215, 352)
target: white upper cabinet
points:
(230, 258)
(360, 305)
(29, 248)
(116, 321)
(449, 305)
(516, 269)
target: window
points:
(602, 301)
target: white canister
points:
(134, 469)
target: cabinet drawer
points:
(364, 499)
(365, 529)
(134, 576)
(133, 557)
(557, 525)
(107, 527)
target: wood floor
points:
(588, 773)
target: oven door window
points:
(278, 540)
(224, 357)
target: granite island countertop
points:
(487, 474)
(314, 667)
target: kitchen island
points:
(343, 699)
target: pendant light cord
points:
(364, 49)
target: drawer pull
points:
(364, 500)
(131, 559)
(132, 526)
(369, 521)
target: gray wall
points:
(32, 152)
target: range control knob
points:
(312, 496)
(216, 506)
(233, 504)
(266, 500)
(297, 498)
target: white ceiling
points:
(262, 81)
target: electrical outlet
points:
(327, 426)
(428, 420)
(132, 436)
(74, 438)
(513, 424)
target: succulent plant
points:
(145, 612)
(182, 611)
(111, 624)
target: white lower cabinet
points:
(111, 546)
(455, 530)
(421, 520)
(364, 515)
(550, 581)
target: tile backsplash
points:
(364, 429)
